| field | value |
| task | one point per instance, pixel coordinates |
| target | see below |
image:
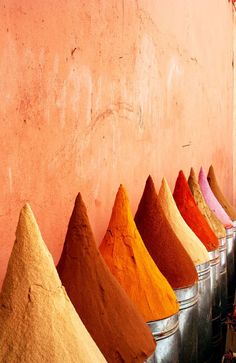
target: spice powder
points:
(210, 217)
(130, 262)
(192, 215)
(161, 241)
(105, 309)
(189, 240)
(229, 209)
(38, 322)
(212, 201)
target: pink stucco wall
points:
(234, 106)
(95, 93)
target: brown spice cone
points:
(229, 209)
(105, 309)
(161, 241)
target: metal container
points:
(188, 323)
(223, 277)
(234, 224)
(204, 312)
(230, 267)
(166, 333)
(216, 298)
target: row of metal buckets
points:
(195, 334)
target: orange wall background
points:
(95, 93)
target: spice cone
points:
(211, 200)
(229, 209)
(161, 241)
(130, 262)
(210, 217)
(105, 309)
(38, 323)
(192, 215)
(189, 240)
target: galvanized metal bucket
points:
(234, 224)
(166, 333)
(204, 312)
(230, 267)
(223, 277)
(216, 297)
(188, 323)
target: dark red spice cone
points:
(192, 215)
(105, 309)
(161, 241)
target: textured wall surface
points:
(95, 93)
(234, 107)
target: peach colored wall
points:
(234, 106)
(98, 92)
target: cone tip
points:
(211, 169)
(26, 210)
(78, 198)
(192, 172)
(181, 174)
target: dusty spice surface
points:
(229, 209)
(210, 217)
(105, 309)
(189, 240)
(211, 200)
(132, 265)
(192, 215)
(161, 241)
(38, 322)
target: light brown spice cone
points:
(211, 218)
(230, 210)
(38, 323)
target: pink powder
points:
(211, 200)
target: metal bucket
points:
(188, 323)
(230, 267)
(216, 297)
(234, 224)
(223, 277)
(166, 334)
(204, 312)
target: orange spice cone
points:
(130, 262)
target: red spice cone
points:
(161, 241)
(108, 314)
(192, 215)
